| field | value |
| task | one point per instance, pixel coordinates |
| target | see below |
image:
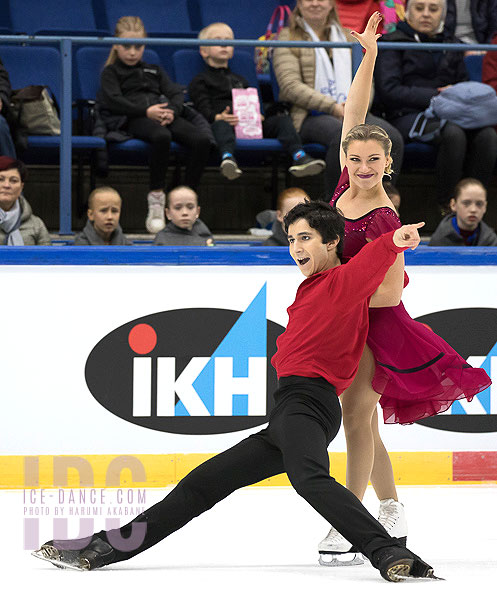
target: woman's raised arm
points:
(356, 106)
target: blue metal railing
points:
(66, 67)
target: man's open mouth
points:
(302, 261)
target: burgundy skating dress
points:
(417, 373)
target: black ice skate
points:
(63, 554)
(397, 564)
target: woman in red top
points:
(410, 370)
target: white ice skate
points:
(393, 518)
(335, 551)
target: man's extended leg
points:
(248, 462)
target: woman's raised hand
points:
(369, 37)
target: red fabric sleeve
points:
(362, 274)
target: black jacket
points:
(210, 91)
(129, 91)
(5, 89)
(406, 80)
(483, 19)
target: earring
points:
(387, 175)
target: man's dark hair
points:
(327, 220)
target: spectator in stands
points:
(6, 144)
(102, 227)
(18, 225)
(393, 193)
(464, 226)
(210, 92)
(471, 21)
(316, 82)
(184, 227)
(286, 201)
(141, 98)
(354, 14)
(393, 11)
(406, 80)
(489, 68)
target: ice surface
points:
(261, 543)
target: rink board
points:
(76, 332)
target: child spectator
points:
(464, 227)
(286, 201)
(18, 225)
(141, 98)
(210, 92)
(102, 227)
(184, 227)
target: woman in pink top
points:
(410, 370)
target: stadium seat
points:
(158, 16)
(53, 17)
(35, 65)
(474, 64)
(248, 21)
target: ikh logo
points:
(472, 332)
(190, 371)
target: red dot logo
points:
(142, 338)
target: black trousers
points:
(159, 138)
(306, 418)
(461, 153)
(276, 126)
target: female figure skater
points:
(411, 371)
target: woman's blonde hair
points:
(364, 133)
(134, 24)
(296, 31)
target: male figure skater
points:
(316, 360)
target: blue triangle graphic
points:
(247, 337)
(483, 397)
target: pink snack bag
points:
(246, 106)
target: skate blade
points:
(340, 559)
(403, 572)
(41, 554)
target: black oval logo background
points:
(182, 333)
(471, 332)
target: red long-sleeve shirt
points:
(328, 321)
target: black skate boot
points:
(397, 564)
(72, 554)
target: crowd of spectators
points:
(140, 100)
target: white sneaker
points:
(334, 551)
(393, 518)
(155, 221)
(230, 169)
